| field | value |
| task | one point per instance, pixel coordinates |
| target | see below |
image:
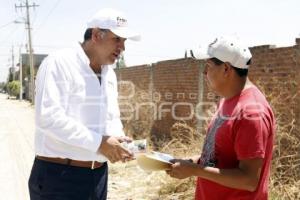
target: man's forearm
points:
(233, 178)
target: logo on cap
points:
(121, 21)
(214, 42)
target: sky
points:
(167, 27)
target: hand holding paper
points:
(154, 161)
(136, 146)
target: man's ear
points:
(227, 68)
(95, 35)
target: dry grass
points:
(138, 120)
(129, 182)
(285, 172)
(185, 142)
(156, 185)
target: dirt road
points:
(16, 148)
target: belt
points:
(76, 163)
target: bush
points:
(13, 88)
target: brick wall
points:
(277, 72)
(178, 86)
(177, 82)
(297, 52)
(139, 75)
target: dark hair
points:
(239, 71)
(216, 61)
(89, 31)
(88, 34)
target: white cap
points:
(226, 50)
(113, 20)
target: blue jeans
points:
(51, 181)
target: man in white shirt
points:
(78, 126)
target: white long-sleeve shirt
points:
(73, 111)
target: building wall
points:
(180, 85)
(177, 83)
(277, 72)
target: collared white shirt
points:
(73, 111)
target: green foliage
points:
(13, 88)
(2, 85)
(121, 62)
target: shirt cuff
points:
(93, 142)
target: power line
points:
(52, 46)
(9, 35)
(47, 16)
(3, 26)
(4, 66)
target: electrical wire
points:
(3, 26)
(9, 35)
(43, 22)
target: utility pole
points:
(21, 73)
(31, 63)
(12, 63)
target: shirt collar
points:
(86, 61)
(81, 54)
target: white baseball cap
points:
(227, 50)
(115, 21)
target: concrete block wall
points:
(277, 72)
(179, 86)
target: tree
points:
(121, 62)
(13, 88)
(2, 86)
